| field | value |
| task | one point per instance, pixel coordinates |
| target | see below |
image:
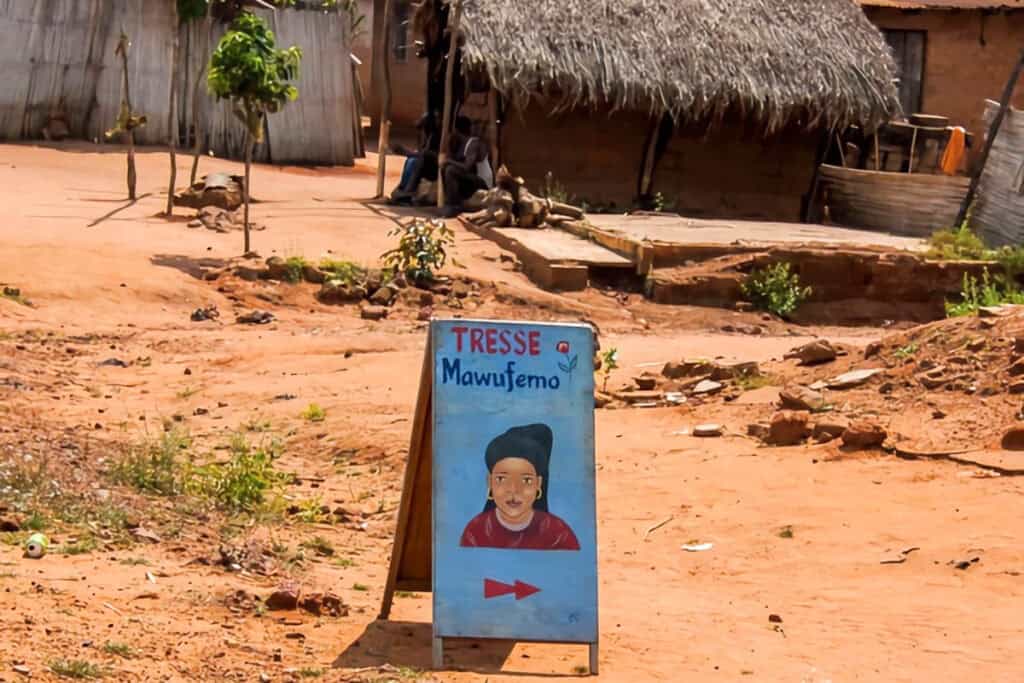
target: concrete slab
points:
(679, 230)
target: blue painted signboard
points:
(514, 538)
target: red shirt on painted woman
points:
(544, 532)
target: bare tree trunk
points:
(172, 115)
(123, 49)
(385, 106)
(249, 144)
(453, 45)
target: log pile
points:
(510, 204)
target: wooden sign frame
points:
(411, 566)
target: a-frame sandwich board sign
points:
(498, 513)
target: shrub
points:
(243, 483)
(154, 466)
(991, 290)
(313, 413)
(422, 249)
(958, 244)
(346, 271)
(295, 266)
(775, 289)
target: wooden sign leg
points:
(438, 653)
(593, 659)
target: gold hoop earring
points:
(540, 494)
(490, 496)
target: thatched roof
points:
(813, 61)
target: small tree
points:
(127, 119)
(248, 69)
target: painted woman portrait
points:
(516, 513)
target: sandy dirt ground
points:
(793, 589)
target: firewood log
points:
(566, 210)
(531, 210)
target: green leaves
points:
(775, 289)
(248, 69)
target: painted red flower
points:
(562, 346)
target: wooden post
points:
(990, 138)
(172, 114)
(648, 168)
(122, 49)
(446, 122)
(492, 126)
(913, 146)
(877, 159)
(384, 57)
(250, 142)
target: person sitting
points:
(468, 170)
(420, 164)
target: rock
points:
(373, 312)
(195, 223)
(1017, 388)
(1013, 438)
(21, 669)
(460, 290)
(758, 430)
(722, 371)
(789, 427)
(216, 189)
(333, 605)
(9, 525)
(813, 353)
(976, 345)
(743, 306)
(708, 430)
(312, 603)
(1017, 369)
(311, 273)
(426, 298)
(1018, 345)
(144, 534)
(994, 311)
(638, 396)
(206, 313)
(277, 268)
(707, 386)
(797, 397)
(601, 399)
(338, 292)
(938, 414)
(863, 435)
(645, 382)
(686, 368)
(255, 318)
(425, 314)
(286, 597)
(851, 379)
(826, 430)
(872, 349)
(384, 296)
(113, 362)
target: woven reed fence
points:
(998, 213)
(914, 204)
(58, 55)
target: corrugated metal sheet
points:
(945, 4)
(60, 53)
(998, 213)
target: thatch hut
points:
(720, 107)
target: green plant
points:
(555, 190)
(311, 511)
(310, 672)
(319, 545)
(345, 562)
(659, 202)
(119, 649)
(35, 521)
(243, 483)
(14, 294)
(249, 70)
(346, 271)
(958, 244)
(609, 362)
(748, 381)
(775, 289)
(313, 413)
(422, 249)
(154, 466)
(80, 547)
(76, 668)
(135, 562)
(295, 266)
(905, 352)
(991, 290)
(360, 587)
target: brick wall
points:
(968, 57)
(729, 172)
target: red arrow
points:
(494, 589)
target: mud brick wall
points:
(968, 57)
(731, 171)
